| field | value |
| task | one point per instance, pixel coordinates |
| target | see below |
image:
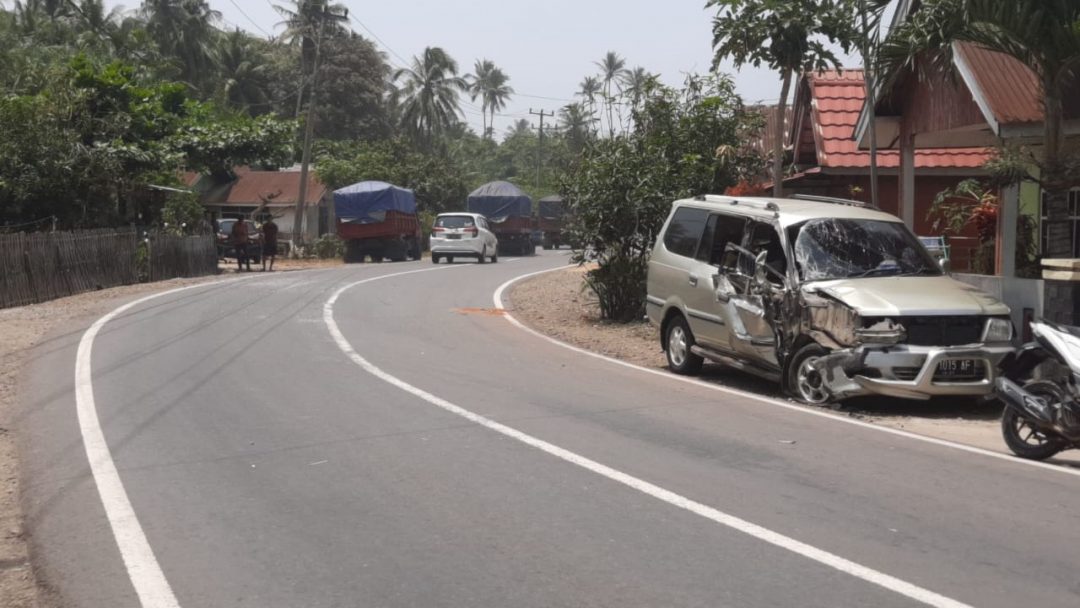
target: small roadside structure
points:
(509, 210)
(379, 220)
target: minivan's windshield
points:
(834, 248)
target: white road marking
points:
(774, 538)
(142, 566)
(498, 299)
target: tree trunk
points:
(869, 79)
(778, 141)
(1054, 181)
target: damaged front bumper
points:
(911, 372)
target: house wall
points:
(927, 187)
(941, 103)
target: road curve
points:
(265, 467)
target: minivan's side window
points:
(685, 231)
(763, 237)
(720, 230)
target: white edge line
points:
(498, 300)
(142, 566)
(820, 556)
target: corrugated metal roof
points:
(764, 143)
(1009, 87)
(836, 98)
(279, 188)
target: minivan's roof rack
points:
(832, 199)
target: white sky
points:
(545, 47)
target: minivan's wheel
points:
(495, 256)
(483, 254)
(680, 358)
(1023, 438)
(803, 381)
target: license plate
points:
(453, 236)
(950, 368)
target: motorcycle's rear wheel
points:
(1024, 438)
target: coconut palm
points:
(635, 84)
(589, 88)
(612, 67)
(489, 83)
(1042, 34)
(521, 126)
(575, 122)
(303, 21)
(243, 72)
(184, 30)
(430, 91)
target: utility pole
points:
(540, 148)
(309, 126)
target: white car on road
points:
(465, 235)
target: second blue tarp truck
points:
(509, 211)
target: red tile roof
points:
(836, 98)
(280, 188)
(1010, 88)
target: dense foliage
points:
(683, 143)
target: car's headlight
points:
(998, 330)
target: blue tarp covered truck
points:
(509, 211)
(379, 220)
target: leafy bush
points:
(182, 213)
(683, 143)
(328, 246)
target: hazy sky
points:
(545, 47)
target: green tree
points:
(185, 33)
(612, 69)
(588, 90)
(303, 21)
(352, 87)
(243, 73)
(789, 36)
(682, 143)
(575, 122)
(430, 89)
(490, 84)
(1042, 34)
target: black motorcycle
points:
(1042, 414)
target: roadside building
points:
(249, 192)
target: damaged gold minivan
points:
(829, 297)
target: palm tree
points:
(303, 22)
(489, 83)
(184, 30)
(588, 90)
(243, 72)
(635, 84)
(612, 67)
(575, 121)
(1043, 35)
(521, 126)
(430, 89)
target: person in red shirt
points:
(269, 242)
(241, 238)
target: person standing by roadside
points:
(241, 238)
(269, 240)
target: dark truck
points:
(509, 211)
(549, 220)
(379, 220)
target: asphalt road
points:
(269, 458)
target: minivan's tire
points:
(802, 382)
(680, 340)
(495, 255)
(483, 254)
(1015, 429)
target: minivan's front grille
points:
(940, 331)
(906, 374)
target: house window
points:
(1074, 223)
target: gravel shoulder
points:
(559, 304)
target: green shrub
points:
(328, 246)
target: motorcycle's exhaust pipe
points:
(1014, 396)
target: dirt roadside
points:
(557, 304)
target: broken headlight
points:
(997, 330)
(881, 331)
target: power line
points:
(248, 17)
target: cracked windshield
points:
(618, 303)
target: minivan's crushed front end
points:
(886, 344)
